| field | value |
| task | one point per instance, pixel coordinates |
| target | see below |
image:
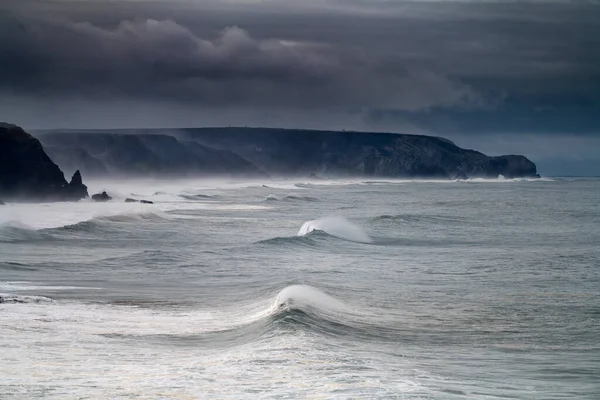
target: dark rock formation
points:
(1, 203)
(283, 152)
(130, 200)
(76, 187)
(101, 197)
(28, 174)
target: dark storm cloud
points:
(428, 66)
(353, 54)
(162, 59)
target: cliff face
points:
(286, 152)
(141, 153)
(27, 173)
(281, 152)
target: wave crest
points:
(303, 296)
(338, 227)
(15, 231)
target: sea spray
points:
(301, 296)
(338, 227)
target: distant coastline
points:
(252, 152)
(33, 169)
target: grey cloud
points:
(162, 59)
(498, 45)
(483, 46)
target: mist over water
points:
(294, 289)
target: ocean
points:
(481, 289)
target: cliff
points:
(278, 152)
(326, 153)
(27, 173)
(141, 153)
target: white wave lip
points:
(304, 295)
(336, 226)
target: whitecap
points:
(300, 296)
(338, 227)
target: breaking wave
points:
(304, 296)
(338, 227)
(295, 307)
(15, 231)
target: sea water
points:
(305, 289)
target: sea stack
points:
(76, 187)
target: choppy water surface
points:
(428, 290)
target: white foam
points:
(282, 185)
(66, 350)
(304, 295)
(54, 215)
(16, 224)
(165, 195)
(338, 227)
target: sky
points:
(499, 76)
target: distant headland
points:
(28, 170)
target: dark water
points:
(428, 290)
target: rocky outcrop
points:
(28, 174)
(130, 200)
(101, 197)
(76, 187)
(282, 152)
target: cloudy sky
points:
(498, 76)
